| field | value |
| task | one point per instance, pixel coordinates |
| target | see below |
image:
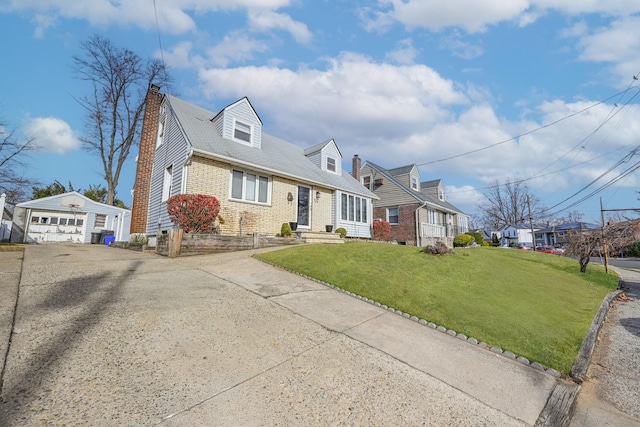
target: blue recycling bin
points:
(109, 239)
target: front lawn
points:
(535, 305)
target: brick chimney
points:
(355, 167)
(147, 150)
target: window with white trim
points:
(242, 131)
(393, 215)
(431, 215)
(353, 208)
(166, 184)
(331, 164)
(100, 221)
(249, 187)
(414, 182)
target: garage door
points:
(51, 226)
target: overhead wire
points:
(513, 138)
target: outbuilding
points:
(69, 217)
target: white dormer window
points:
(414, 183)
(331, 164)
(441, 195)
(242, 132)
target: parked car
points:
(549, 250)
(524, 247)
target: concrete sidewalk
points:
(610, 395)
(105, 336)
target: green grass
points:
(535, 305)
(6, 247)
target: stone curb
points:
(460, 336)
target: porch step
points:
(319, 237)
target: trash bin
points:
(104, 234)
(109, 239)
(95, 238)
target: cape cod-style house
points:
(418, 212)
(260, 180)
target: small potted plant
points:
(285, 230)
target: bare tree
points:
(13, 152)
(119, 79)
(584, 244)
(507, 203)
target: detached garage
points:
(69, 217)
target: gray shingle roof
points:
(422, 197)
(275, 156)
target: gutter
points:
(418, 237)
(253, 166)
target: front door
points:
(303, 206)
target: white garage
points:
(69, 217)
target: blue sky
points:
(395, 81)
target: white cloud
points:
(475, 16)
(405, 53)
(460, 48)
(266, 20)
(235, 48)
(617, 44)
(471, 15)
(52, 134)
(466, 197)
(357, 98)
(173, 17)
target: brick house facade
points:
(417, 211)
(261, 181)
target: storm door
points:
(303, 206)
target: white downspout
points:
(418, 234)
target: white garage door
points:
(51, 226)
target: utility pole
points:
(604, 242)
(533, 234)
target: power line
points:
(155, 9)
(513, 138)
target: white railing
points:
(433, 230)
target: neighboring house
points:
(557, 235)
(68, 217)
(260, 180)
(488, 235)
(6, 218)
(514, 235)
(418, 212)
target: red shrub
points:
(194, 213)
(381, 230)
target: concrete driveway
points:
(105, 336)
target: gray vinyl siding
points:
(219, 123)
(331, 151)
(316, 158)
(390, 194)
(173, 152)
(242, 111)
